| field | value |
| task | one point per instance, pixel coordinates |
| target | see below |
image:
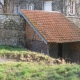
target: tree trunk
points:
(6, 6)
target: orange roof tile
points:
(53, 26)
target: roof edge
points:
(20, 12)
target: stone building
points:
(52, 33)
(13, 6)
(13, 26)
(46, 5)
(67, 7)
(70, 8)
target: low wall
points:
(12, 30)
(37, 46)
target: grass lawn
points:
(37, 71)
(22, 54)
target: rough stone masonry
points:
(12, 30)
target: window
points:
(78, 1)
(16, 9)
(47, 6)
(30, 6)
(72, 7)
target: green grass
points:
(4, 49)
(13, 50)
(23, 54)
(36, 71)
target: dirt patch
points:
(31, 58)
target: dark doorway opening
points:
(60, 50)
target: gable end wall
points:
(34, 42)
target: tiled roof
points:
(53, 26)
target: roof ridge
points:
(42, 11)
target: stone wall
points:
(57, 5)
(12, 30)
(37, 4)
(66, 8)
(75, 20)
(37, 46)
(74, 52)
